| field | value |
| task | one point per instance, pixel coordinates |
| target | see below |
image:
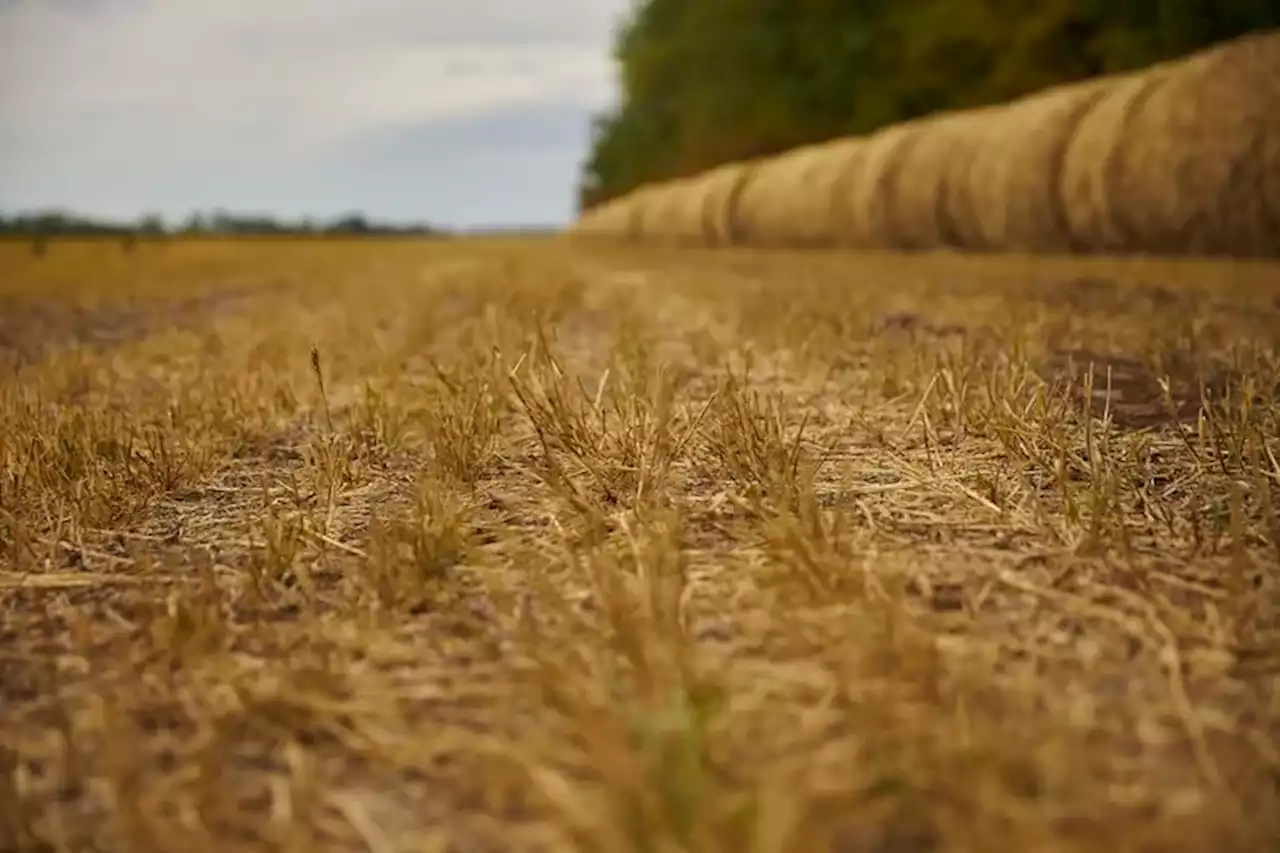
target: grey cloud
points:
(158, 100)
(554, 125)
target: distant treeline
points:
(713, 81)
(64, 224)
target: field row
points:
(528, 545)
(1180, 157)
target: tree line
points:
(713, 81)
(58, 223)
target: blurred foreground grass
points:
(490, 545)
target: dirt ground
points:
(532, 545)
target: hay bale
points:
(960, 224)
(846, 221)
(768, 202)
(682, 223)
(913, 214)
(585, 220)
(787, 200)
(608, 219)
(866, 190)
(642, 199)
(1198, 168)
(583, 225)
(670, 212)
(622, 223)
(930, 206)
(1014, 177)
(720, 188)
(659, 205)
(1087, 179)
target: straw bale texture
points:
(787, 200)
(772, 208)
(1015, 173)
(659, 211)
(1198, 168)
(686, 199)
(959, 221)
(847, 169)
(932, 207)
(611, 218)
(640, 199)
(867, 189)
(818, 194)
(720, 189)
(626, 219)
(1087, 180)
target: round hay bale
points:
(819, 221)
(585, 220)
(914, 215)
(685, 201)
(661, 212)
(611, 219)
(644, 200)
(1087, 179)
(846, 221)
(1198, 168)
(959, 222)
(721, 187)
(787, 200)
(1016, 166)
(929, 208)
(770, 202)
(866, 190)
(623, 221)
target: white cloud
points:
(252, 86)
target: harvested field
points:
(566, 546)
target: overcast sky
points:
(456, 112)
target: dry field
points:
(526, 545)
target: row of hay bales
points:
(1180, 157)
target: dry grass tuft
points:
(548, 545)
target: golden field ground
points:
(540, 545)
